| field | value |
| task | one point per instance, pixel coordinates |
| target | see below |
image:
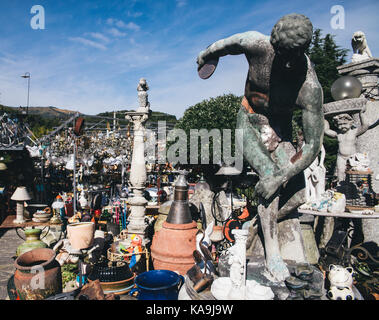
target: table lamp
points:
(20, 195)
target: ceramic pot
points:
(32, 241)
(158, 285)
(81, 234)
(38, 274)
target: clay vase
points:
(81, 234)
(38, 275)
(32, 241)
(173, 246)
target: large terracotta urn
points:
(173, 245)
(38, 274)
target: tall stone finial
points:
(360, 47)
(144, 104)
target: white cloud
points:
(133, 26)
(181, 3)
(98, 36)
(116, 33)
(110, 21)
(122, 25)
(134, 14)
(88, 42)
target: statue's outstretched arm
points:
(240, 43)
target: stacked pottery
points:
(173, 246)
(38, 275)
(41, 216)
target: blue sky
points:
(91, 54)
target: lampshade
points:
(227, 171)
(21, 194)
(3, 166)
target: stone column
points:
(137, 224)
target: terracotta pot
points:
(173, 246)
(81, 234)
(38, 274)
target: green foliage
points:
(326, 56)
(214, 113)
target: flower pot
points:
(81, 234)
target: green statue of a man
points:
(280, 79)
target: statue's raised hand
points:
(206, 65)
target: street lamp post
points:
(27, 76)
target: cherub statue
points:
(347, 137)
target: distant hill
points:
(41, 120)
(51, 112)
(63, 114)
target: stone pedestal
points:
(367, 72)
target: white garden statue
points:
(236, 287)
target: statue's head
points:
(290, 37)
(344, 122)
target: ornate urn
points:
(173, 245)
(32, 241)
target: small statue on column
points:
(144, 104)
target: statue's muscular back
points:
(272, 90)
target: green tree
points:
(326, 56)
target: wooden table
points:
(9, 224)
